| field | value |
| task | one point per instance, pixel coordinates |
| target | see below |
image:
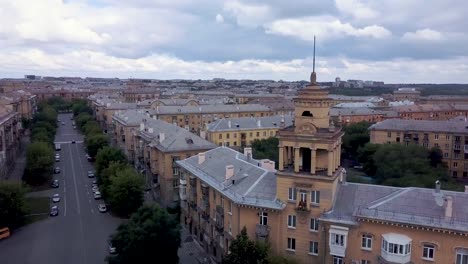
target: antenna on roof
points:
(313, 65)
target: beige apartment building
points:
(451, 136)
(195, 118)
(307, 210)
(240, 132)
(20, 101)
(154, 146)
(10, 133)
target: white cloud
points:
(423, 35)
(219, 19)
(248, 15)
(355, 8)
(325, 27)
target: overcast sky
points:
(410, 41)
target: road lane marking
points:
(65, 205)
(92, 210)
(74, 181)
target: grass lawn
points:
(39, 208)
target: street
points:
(80, 232)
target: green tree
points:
(282, 260)
(40, 136)
(150, 232)
(107, 155)
(95, 143)
(82, 119)
(80, 107)
(435, 156)
(266, 149)
(125, 191)
(39, 161)
(245, 251)
(107, 173)
(356, 136)
(366, 158)
(91, 127)
(12, 204)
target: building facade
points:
(10, 133)
(450, 136)
(241, 132)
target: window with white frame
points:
(366, 241)
(291, 243)
(337, 239)
(396, 249)
(313, 248)
(338, 260)
(314, 224)
(428, 251)
(292, 193)
(303, 197)
(462, 256)
(315, 197)
(175, 171)
(230, 208)
(291, 221)
(263, 218)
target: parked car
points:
(102, 208)
(55, 184)
(54, 211)
(112, 249)
(97, 195)
(91, 174)
(56, 198)
(95, 189)
(57, 170)
(73, 141)
(63, 123)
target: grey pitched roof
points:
(249, 123)
(254, 185)
(403, 205)
(175, 138)
(208, 109)
(449, 126)
(361, 111)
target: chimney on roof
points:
(449, 207)
(268, 165)
(229, 171)
(201, 157)
(437, 186)
(229, 123)
(259, 123)
(282, 121)
(248, 153)
(142, 126)
(162, 136)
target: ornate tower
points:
(309, 167)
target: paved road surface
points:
(79, 234)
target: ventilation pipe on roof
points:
(162, 136)
(259, 123)
(449, 206)
(150, 130)
(437, 186)
(248, 153)
(229, 123)
(142, 126)
(229, 171)
(201, 157)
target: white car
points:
(56, 198)
(97, 195)
(95, 189)
(102, 208)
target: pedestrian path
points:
(190, 252)
(16, 171)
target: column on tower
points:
(281, 158)
(296, 159)
(330, 162)
(313, 160)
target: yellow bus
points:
(4, 232)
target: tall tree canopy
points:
(12, 204)
(266, 149)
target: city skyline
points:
(391, 41)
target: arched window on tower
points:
(307, 113)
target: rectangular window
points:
(445, 155)
(175, 171)
(292, 194)
(389, 134)
(220, 136)
(263, 218)
(436, 136)
(462, 256)
(258, 134)
(366, 242)
(291, 243)
(447, 146)
(447, 137)
(428, 252)
(303, 197)
(291, 221)
(455, 164)
(264, 133)
(313, 248)
(337, 240)
(230, 207)
(315, 197)
(314, 224)
(364, 261)
(338, 260)
(228, 136)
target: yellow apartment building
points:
(240, 132)
(451, 136)
(308, 211)
(195, 118)
(154, 146)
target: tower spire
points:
(313, 76)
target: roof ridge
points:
(388, 198)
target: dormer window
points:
(307, 113)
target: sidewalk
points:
(190, 252)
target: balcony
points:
(183, 193)
(205, 216)
(193, 195)
(262, 231)
(219, 213)
(302, 207)
(388, 258)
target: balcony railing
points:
(302, 207)
(262, 231)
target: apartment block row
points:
(307, 210)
